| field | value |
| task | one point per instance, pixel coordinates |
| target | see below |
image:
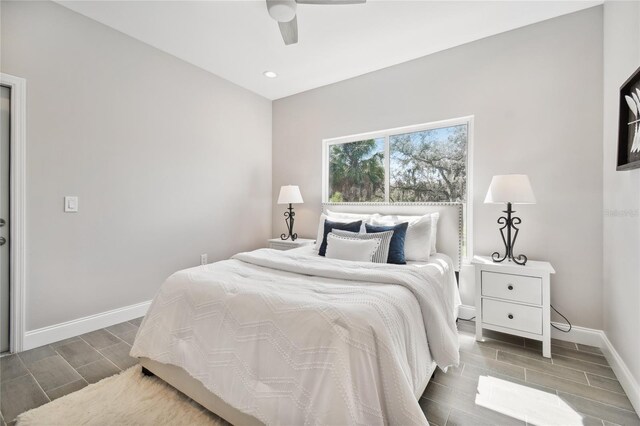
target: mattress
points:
(294, 338)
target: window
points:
(417, 164)
(424, 163)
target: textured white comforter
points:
(293, 339)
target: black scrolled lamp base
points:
(508, 223)
(289, 219)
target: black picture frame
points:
(629, 124)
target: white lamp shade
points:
(290, 194)
(514, 189)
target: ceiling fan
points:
(284, 11)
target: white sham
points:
(354, 249)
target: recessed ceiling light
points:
(270, 74)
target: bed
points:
(272, 337)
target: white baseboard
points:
(466, 312)
(626, 379)
(54, 333)
(582, 335)
(592, 337)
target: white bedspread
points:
(294, 339)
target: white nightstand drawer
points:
(512, 315)
(518, 288)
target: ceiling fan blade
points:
(336, 2)
(289, 31)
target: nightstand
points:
(279, 244)
(514, 299)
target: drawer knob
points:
(510, 316)
(510, 287)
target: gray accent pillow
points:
(382, 253)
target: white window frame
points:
(468, 204)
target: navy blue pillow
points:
(396, 247)
(328, 226)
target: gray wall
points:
(167, 159)
(536, 93)
(621, 191)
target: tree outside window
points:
(427, 165)
(356, 171)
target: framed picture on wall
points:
(629, 124)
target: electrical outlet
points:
(203, 259)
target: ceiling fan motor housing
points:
(282, 10)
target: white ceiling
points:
(238, 41)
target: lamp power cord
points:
(565, 318)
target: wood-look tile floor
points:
(502, 381)
(505, 380)
(37, 376)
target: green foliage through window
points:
(356, 171)
(429, 165)
(423, 166)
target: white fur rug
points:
(129, 398)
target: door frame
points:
(17, 197)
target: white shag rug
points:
(129, 398)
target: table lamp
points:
(510, 189)
(289, 194)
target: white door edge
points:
(17, 276)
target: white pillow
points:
(341, 218)
(388, 220)
(351, 248)
(382, 254)
(351, 216)
(419, 242)
(434, 232)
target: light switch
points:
(70, 204)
